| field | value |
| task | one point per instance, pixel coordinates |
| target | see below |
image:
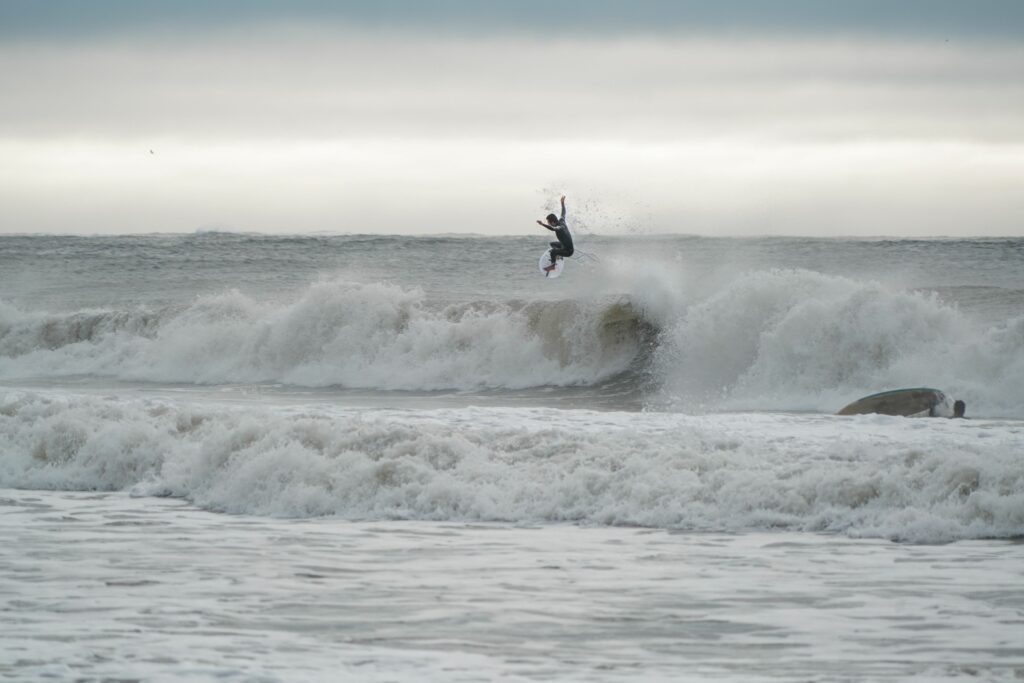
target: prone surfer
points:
(563, 247)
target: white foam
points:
(800, 340)
(920, 480)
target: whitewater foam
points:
(799, 340)
(920, 480)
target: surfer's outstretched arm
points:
(545, 225)
(563, 207)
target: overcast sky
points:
(415, 116)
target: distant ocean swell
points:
(765, 340)
(866, 476)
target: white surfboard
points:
(545, 263)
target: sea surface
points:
(236, 457)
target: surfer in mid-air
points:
(563, 247)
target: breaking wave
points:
(760, 340)
(862, 476)
(337, 333)
(799, 340)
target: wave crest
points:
(348, 334)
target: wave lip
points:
(863, 476)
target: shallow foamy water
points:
(101, 586)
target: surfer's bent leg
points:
(556, 250)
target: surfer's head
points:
(552, 219)
(959, 408)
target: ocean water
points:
(243, 457)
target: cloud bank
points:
(297, 128)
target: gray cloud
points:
(306, 83)
(66, 18)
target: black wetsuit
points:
(563, 247)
